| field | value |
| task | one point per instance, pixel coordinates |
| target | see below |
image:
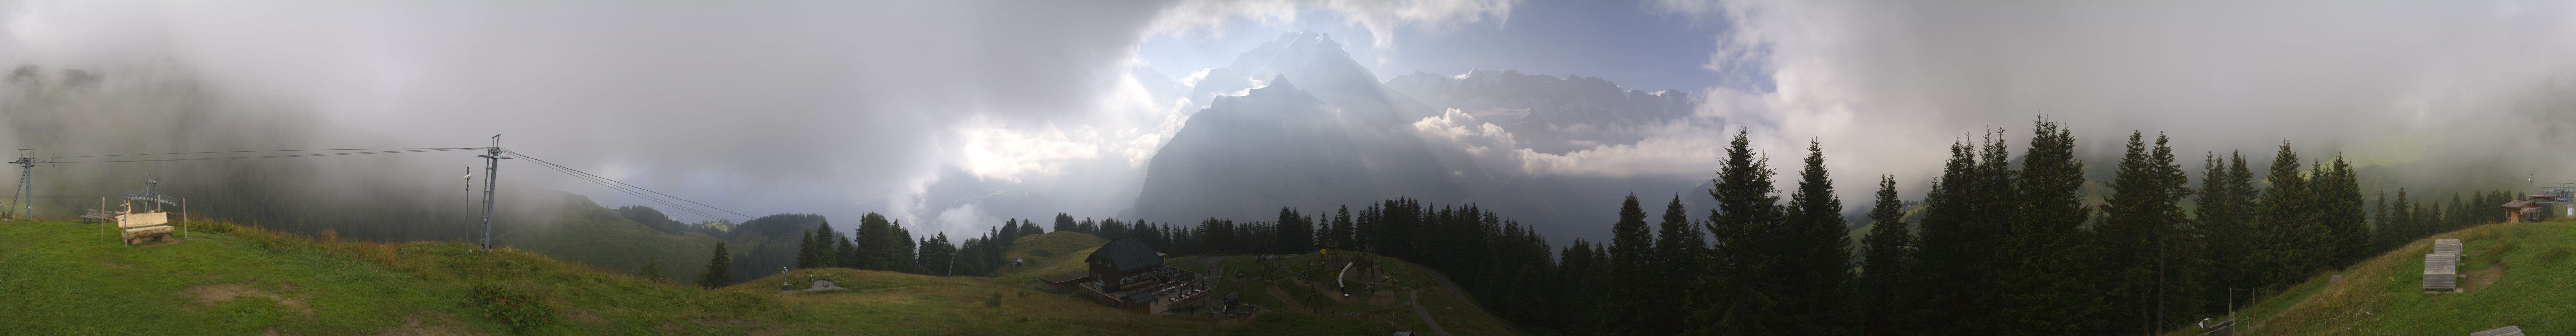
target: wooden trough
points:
(2505, 331)
(2449, 246)
(2441, 272)
(2442, 268)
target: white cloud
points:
(1885, 85)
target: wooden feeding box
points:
(136, 227)
(2450, 246)
(2441, 272)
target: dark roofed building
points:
(1127, 274)
(1121, 263)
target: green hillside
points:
(1050, 253)
(2512, 274)
(61, 278)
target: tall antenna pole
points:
(491, 172)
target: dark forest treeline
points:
(1999, 245)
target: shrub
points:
(519, 308)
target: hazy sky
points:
(956, 114)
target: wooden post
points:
(183, 219)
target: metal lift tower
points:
(491, 173)
(26, 185)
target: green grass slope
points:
(2513, 274)
(1062, 252)
(598, 237)
(1050, 254)
(60, 278)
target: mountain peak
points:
(1279, 81)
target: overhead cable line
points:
(280, 150)
(276, 156)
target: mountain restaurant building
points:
(1127, 274)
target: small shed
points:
(2524, 211)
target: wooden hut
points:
(2524, 211)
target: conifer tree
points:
(2226, 214)
(1735, 296)
(1817, 254)
(2339, 197)
(1956, 248)
(719, 270)
(1678, 246)
(1885, 281)
(805, 247)
(827, 246)
(2149, 243)
(2051, 261)
(2383, 237)
(1632, 244)
(2293, 242)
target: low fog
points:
(954, 115)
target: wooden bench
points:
(151, 225)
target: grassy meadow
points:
(2512, 274)
(62, 278)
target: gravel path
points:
(1426, 314)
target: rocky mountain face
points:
(1319, 132)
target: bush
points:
(519, 308)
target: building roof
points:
(2517, 204)
(1127, 254)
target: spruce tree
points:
(827, 246)
(2293, 242)
(2051, 263)
(2226, 215)
(1678, 246)
(805, 247)
(1885, 281)
(1632, 244)
(1736, 296)
(2150, 263)
(1956, 248)
(2339, 197)
(1816, 254)
(719, 269)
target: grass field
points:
(2514, 274)
(60, 278)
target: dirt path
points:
(1426, 314)
(1443, 279)
(1284, 298)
